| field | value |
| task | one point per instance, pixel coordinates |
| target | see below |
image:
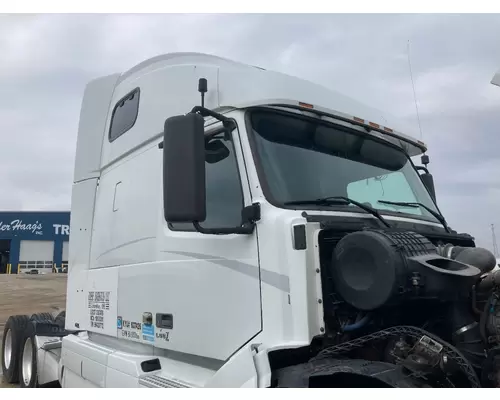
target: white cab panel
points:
(127, 205)
(93, 116)
(163, 93)
(100, 301)
(82, 216)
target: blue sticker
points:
(148, 330)
(148, 338)
(119, 323)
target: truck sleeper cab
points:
(211, 246)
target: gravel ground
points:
(29, 294)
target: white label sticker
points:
(129, 329)
(98, 306)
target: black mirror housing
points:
(427, 178)
(215, 151)
(428, 181)
(184, 198)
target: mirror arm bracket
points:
(250, 215)
(420, 168)
(227, 123)
(205, 112)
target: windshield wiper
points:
(333, 200)
(435, 214)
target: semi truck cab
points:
(238, 227)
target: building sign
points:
(61, 229)
(36, 228)
(17, 225)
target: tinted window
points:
(223, 194)
(304, 159)
(393, 185)
(124, 115)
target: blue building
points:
(33, 241)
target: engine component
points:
(372, 268)
(476, 256)
(424, 356)
(433, 354)
(491, 319)
(489, 282)
(357, 324)
(338, 372)
(467, 334)
(490, 376)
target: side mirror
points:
(184, 169)
(428, 182)
(215, 151)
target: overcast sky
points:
(46, 60)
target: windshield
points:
(307, 159)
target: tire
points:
(28, 365)
(60, 319)
(13, 334)
(42, 317)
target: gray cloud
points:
(47, 59)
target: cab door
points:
(204, 291)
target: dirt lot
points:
(28, 294)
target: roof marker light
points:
(305, 105)
(388, 129)
(374, 125)
(362, 121)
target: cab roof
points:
(241, 86)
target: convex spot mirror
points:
(215, 151)
(428, 181)
(184, 169)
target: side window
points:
(224, 194)
(124, 114)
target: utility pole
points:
(494, 238)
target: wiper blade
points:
(435, 214)
(332, 200)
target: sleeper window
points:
(124, 115)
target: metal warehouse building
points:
(32, 241)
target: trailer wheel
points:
(42, 317)
(28, 371)
(11, 346)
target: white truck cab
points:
(233, 226)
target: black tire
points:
(61, 319)
(42, 317)
(28, 344)
(16, 324)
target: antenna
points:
(414, 93)
(425, 157)
(494, 238)
(202, 88)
